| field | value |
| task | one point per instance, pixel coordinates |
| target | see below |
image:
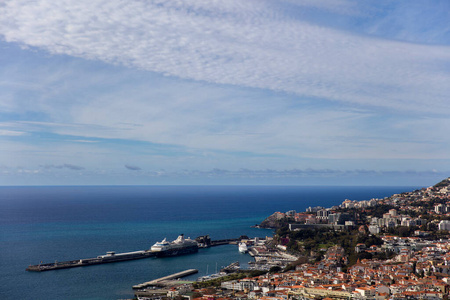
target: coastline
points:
(46, 224)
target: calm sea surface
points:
(64, 223)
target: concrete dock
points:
(169, 277)
(111, 256)
(102, 259)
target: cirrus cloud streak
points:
(252, 43)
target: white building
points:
(374, 229)
(444, 225)
(440, 208)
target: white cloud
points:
(11, 133)
(246, 43)
(200, 120)
(389, 99)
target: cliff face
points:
(273, 221)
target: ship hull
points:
(176, 252)
(243, 248)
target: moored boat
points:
(243, 247)
(179, 246)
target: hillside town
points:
(391, 248)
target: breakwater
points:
(170, 277)
(112, 257)
(223, 242)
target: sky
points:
(307, 92)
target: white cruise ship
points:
(177, 247)
(243, 247)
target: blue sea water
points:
(64, 223)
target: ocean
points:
(47, 224)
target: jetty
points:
(158, 281)
(111, 256)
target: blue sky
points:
(330, 92)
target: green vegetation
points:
(273, 222)
(402, 231)
(309, 242)
(443, 183)
(305, 241)
(235, 276)
(375, 211)
(275, 269)
(369, 240)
